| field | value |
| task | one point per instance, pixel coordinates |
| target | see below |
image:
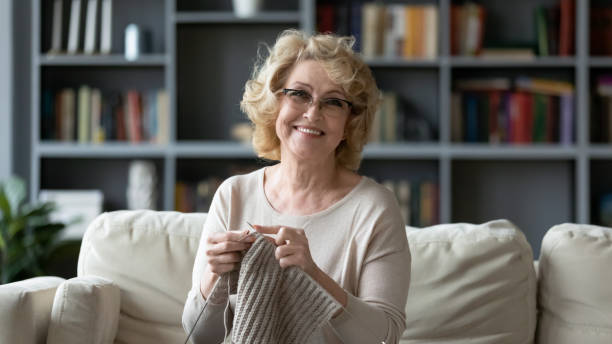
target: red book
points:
(325, 18)
(566, 28)
(527, 115)
(494, 101)
(135, 115)
(455, 29)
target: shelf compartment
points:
(148, 17)
(114, 60)
(418, 96)
(109, 175)
(231, 18)
(108, 149)
(534, 195)
(209, 94)
(198, 179)
(421, 206)
(106, 78)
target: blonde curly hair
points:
(344, 67)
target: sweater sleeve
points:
(209, 328)
(377, 313)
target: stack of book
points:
(555, 29)
(554, 33)
(87, 115)
(601, 123)
(391, 31)
(392, 123)
(493, 110)
(195, 197)
(89, 27)
(418, 201)
(76, 208)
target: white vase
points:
(142, 185)
(246, 8)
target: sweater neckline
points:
(331, 208)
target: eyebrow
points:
(338, 92)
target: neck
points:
(299, 176)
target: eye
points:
(299, 94)
(334, 102)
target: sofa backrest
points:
(149, 255)
(575, 287)
(470, 284)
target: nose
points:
(313, 111)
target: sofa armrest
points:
(25, 309)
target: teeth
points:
(309, 131)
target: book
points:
(91, 26)
(430, 50)
(97, 129)
(394, 31)
(567, 119)
(78, 208)
(106, 26)
(325, 18)
(68, 101)
(56, 34)
(163, 131)
(84, 114)
(372, 29)
(545, 86)
(47, 121)
(456, 118)
(566, 27)
(74, 31)
(542, 29)
(134, 116)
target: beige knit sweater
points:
(274, 305)
(359, 241)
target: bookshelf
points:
(533, 185)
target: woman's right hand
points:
(224, 251)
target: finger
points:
(218, 237)
(231, 257)
(223, 268)
(288, 261)
(267, 229)
(227, 246)
(287, 234)
(284, 251)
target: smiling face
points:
(308, 132)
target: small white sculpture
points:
(142, 185)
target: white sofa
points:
(470, 284)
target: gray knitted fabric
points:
(275, 305)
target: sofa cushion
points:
(575, 286)
(25, 309)
(150, 256)
(85, 309)
(470, 284)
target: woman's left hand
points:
(292, 247)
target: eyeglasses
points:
(331, 107)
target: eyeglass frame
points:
(284, 91)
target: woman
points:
(312, 103)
